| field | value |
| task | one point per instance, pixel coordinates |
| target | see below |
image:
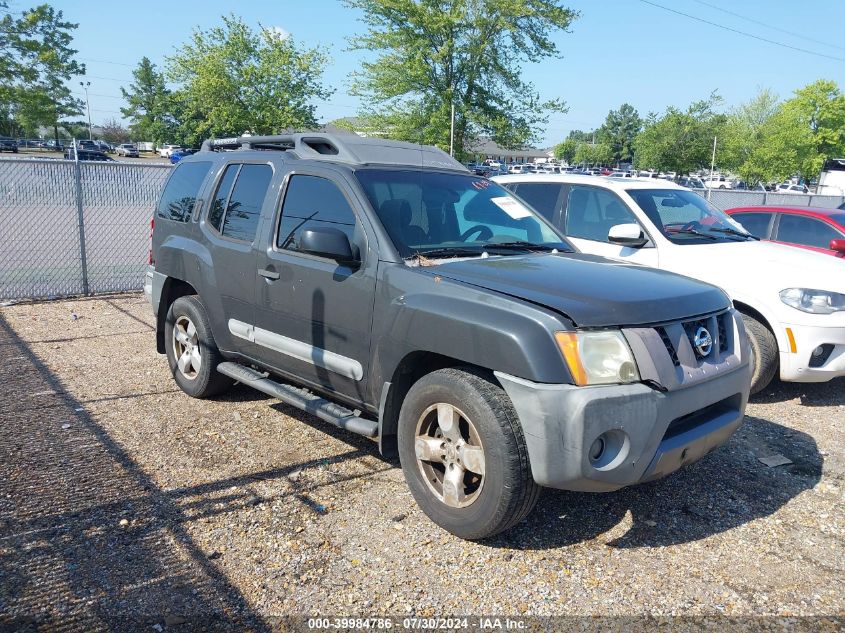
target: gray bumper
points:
(645, 434)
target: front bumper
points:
(797, 366)
(645, 434)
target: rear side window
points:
(755, 223)
(543, 196)
(180, 193)
(236, 208)
(798, 229)
(311, 201)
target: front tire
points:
(463, 454)
(764, 353)
(191, 351)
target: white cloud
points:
(277, 31)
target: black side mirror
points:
(327, 242)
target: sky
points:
(642, 52)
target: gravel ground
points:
(123, 499)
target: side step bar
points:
(301, 399)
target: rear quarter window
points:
(180, 194)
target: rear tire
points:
(191, 351)
(764, 353)
(454, 423)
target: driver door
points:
(587, 217)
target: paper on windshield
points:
(510, 206)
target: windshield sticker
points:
(511, 207)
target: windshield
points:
(685, 217)
(450, 215)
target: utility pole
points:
(452, 133)
(712, 167)
(88, 105)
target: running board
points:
(303, 399)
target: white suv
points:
(166, 150)
(792, 300)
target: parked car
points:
(813, 228)
(788, 187)
(103, 146)
(166, 150)
(719, 182)
(792, 301)
(87, 154)
(8, 145)
(388, 291)
(178, 155)
(129, 150)
(55, 146)
(691, 182)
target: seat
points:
(396, 214)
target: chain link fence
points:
(73, 228)
(730, 198)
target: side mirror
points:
(838, 246)
(327, 242)
(627, 235)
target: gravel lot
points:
(121, 499)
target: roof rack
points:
(350, 148)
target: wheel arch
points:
(744, 308)
(410, 369)
(171, 290)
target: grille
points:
(723, 332)
(667, 342)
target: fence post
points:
(83, 258)
(765, 197)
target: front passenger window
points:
(591, 212)
(311, 201)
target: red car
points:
(813, 228)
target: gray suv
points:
(383, 288)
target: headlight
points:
(813, 301)
(598, 358)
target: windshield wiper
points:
(446, 252)
(731, 231)
(525, 246)
(693, 232)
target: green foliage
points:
(680, 141)
(619, 130)
(598, 154)
(432, 54)
(565, 150)
(744, 134)
(36, 61)
(581, 136)
(234, 80)
(149, 105)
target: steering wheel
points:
(484, 232)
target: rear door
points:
(313, 314)
(230, 226)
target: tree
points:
(619, 130)
(565, 150)
(802, 133)
(149, 105)
(744, 133)
(432, 55)
(680, 141)
(234, 80)
(115, 132)
(36, 62)
(598, 154)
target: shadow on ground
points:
(818, 394)
(87, 539)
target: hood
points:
(592, 291)
(752, 267)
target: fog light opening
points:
(597, 449)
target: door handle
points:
(268, 274)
